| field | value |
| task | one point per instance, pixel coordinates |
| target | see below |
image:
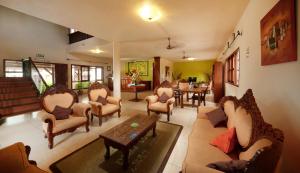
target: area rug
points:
(149, 155)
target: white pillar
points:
(116, 69)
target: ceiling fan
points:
(169, 47)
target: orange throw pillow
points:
(226, 141)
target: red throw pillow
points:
(226, 141)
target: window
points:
(13, 68)
(83, 76)
(47, 71)
(232, 68)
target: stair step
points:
(18, 101)
(6, 90)
(9, 111)
(14, 79)
(15, 84)
(11, 96)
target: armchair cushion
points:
(95, 93)
(64, 100)
(152, 99)
(160, 107)
(163, 98)
(80, 109)
(162, 90)
(113, 100)
(109, 108)
(101, 100)
(61, 125)
(61, 113)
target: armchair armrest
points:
(171, 101)
(46, 117)
(95, 107)
(114, 100)
(151, 99)
(81, 109)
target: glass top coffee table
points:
(125, 135)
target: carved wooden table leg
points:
(182, 99)
(125, 158)
(107, 154)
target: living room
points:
(126, 54)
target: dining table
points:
(199, 91)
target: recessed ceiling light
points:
(149, 13)
(191, 59)
(96, 51)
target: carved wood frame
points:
(97, 85)
(164, 84)
(60, 89)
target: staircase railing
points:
(35, 75)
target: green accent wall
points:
(150, 70)
(198, 69)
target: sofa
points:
(258, 142)
(14, 159)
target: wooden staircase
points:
(18, 96)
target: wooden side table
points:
(136, 88)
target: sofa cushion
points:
(202, 110)
(217, 117)
(243, 125)
(101, 100)
(248, 154)
(229, 110)
(65, 124)
(226, 142)
(199, 150)
(232, 166)
(61, 113)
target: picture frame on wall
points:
(278, 34)
(108, 68)
(140, 66)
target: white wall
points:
(23, 36)
(276, 87)
(163, 63)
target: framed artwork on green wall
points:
(140, 66)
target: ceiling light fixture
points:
(97, 51)
(149, 13)
(191, 59)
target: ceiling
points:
(198, 27)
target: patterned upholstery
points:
(59, 95)
(155, 106)
(99, 110)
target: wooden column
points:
(156, 72)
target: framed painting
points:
(140, 66)
(278, 34)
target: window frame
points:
(4, 67)
(232, 68)
(89, 79)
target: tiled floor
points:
(27, 129)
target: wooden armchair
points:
(111, 106)
(15, 159)
(60, 96)
(156, 104)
